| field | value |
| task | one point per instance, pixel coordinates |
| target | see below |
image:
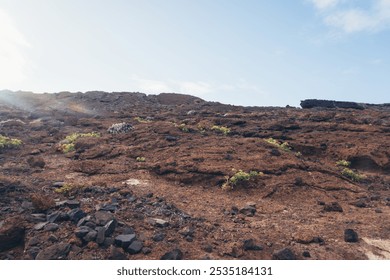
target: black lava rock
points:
(176, 254)
(351, 236)
(250, 245)
(124, 240)
(333, 207)
(135, 247)
(284, 254)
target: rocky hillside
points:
(121, 175)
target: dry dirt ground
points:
(155, 191)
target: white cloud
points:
(356, 19)
(324, 4)
(12, 60)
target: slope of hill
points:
(180, 177)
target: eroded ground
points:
(161, 180)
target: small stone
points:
(378, 210)
(306, 254)
(149, 195)
(72, 204)
(82, 231)
(57, 217)
(146, 250)
(55, 252)
(91, 236)
(90, 224)
(36, 218)
(103, 217)
(83, 221)
(110, 227)
(101, 235)
(189, 238)
(176, 254)
(333, 207)
(208, 248)
(116, 253)
(33, 252)
(124, 240)
(108, 241)
(284, 254)
(158, 237)
(76, 214)
(135, 247)
(33, 241)
(187, 231)
(275, 152)
(170, 138)
(58, 185)
(248, 211)
(299, 181)
(40, 226)
(53, 238)
(160, 222)
(250, 245)
(108, 207)
(51, 227)
(128, 230)
(350, 236)
(360, 204)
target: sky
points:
(242, 52)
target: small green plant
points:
(221, 129)
(6, 142)
(141, 120)
(283, 146)
(352, 175)
(67, 145)
(65, 189)
(238, 178)
(183, 127)
(344, 163)
(140, 159)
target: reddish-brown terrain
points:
(159, 184)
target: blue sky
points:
(244, 52)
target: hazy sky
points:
(246, 52)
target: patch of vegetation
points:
(344, 163)
(6, 142)
(140, 159)
(183, 127)
(239, 178)
(221, 129)
(69, 141)
(281, 145)
(141, 120)
(352, 175)
(66, 189)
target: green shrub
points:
(283, 146)
(140, 159)
(65, 189)
(352, 175)
(67, 145)
(183, 127)
(344, 163)
(6, 142)
(239, 178)
(141, 120)
(221, 129)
